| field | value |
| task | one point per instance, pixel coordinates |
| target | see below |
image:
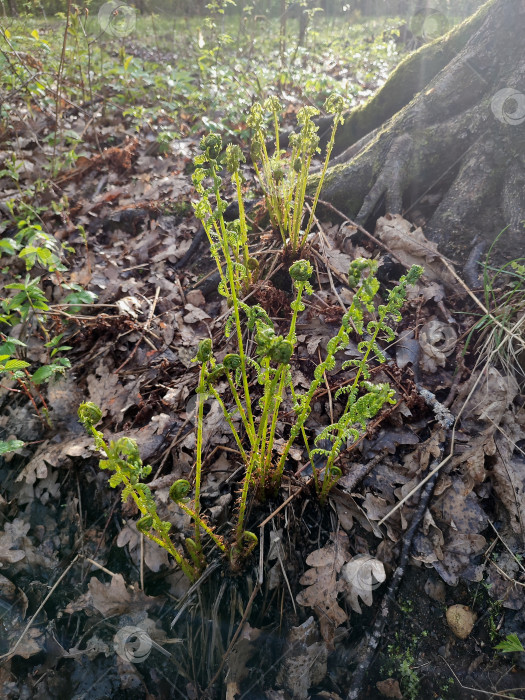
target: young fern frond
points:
(129, 469)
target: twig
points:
(59, 79)
(330, 404)
(11, 651)
(323, 242)
(99, 566)
(493, 694)
(284, 504)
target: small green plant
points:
(284, 177)
(495, 607)
(10, 446)
(258, 409)
(270, 362)
(18, 369)
(407, 606)
(501, 328)
(164, 140)
(447, 685)
(509, 644)
(402, 662)
(123, 459)
(28, 303)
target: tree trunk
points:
(444, 139)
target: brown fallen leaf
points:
(438, 341)
(243, 650)
(107, 391)
(113, 598)
(324, 586)
(413, 248)
(304, 660)
(155, 557)
(508, 472)
(390, 688)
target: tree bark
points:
(445, 135)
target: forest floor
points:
(97, 211)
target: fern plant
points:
(122, 457)
(251, 409)
(283, 177)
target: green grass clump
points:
(501, 326)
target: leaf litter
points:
(127, 199)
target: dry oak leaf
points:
(237, 666)
(490, 399)
(55, 456)
(508, 473)
(459, 551)
(304, 660)
(155, 557)
(324, 586)
(413, 248)
(107, 391)
(9, 554)
(502, 581)
(459, 507)
(113, 598)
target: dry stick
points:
(141, 561)
(370, 644)
(144, 330)
(509, 578)
(38, 611)
(284, 504)
(509, 550)
(330, 403)
(358, 473)
(99, 566)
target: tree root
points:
(454, 139)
